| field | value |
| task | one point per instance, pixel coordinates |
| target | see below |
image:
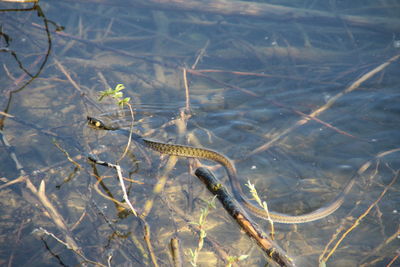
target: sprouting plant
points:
(119, 97)
(201, 225)
(262, 204)
(234, 259)
(121, 101)
(116, 94)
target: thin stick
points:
(360, 171)
(331, 101)
(125, 195)
(378, 249)
(19, 179)
(176, 252)
(148, 242)
(17, 241)
(236, 211)
(69, 158)
(6, 114)
(244, 73)
(187, 95)
(273, 102)
(119, 205)
(67, 245)
(121, 181)
(394, 259)
(69, 78)
(357, 222)
(106, 48)
(74, 84)
(200, 55)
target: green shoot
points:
(194, 254)
(116, 94)
(121, 101)
(235, 259)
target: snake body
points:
(208, 154)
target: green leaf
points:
(119, 87)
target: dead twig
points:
(394, 259)
(236, 211)
(200, 55)
(266, 75)
(121, 181)
(378, 250)
(186, 84)
(323, 108)
(325, 255)
(74, 84)
(358, 221)
(146, 229)
(176, 253)
(43, 231)
(273, 102)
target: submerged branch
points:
(272, 250)
(269, 11)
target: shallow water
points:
(250, 93)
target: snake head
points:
(98, 124)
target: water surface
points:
(253, 82)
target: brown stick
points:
(272, 250)
(176, 253)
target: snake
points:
(187, 151)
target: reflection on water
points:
(300, 107)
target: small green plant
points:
(119, 97)
(201, 225)
(121, 101)
(235, 259)
(116, 94)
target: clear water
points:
(255, 79)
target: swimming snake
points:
(203, 153)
